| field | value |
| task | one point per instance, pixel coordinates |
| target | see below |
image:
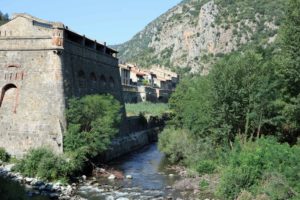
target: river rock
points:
(100, 170)
(49, 187)
(68, 191)
(112, 177)
(9, 167)
(42, 187)
(28, 180)
(83, 177)
(171, 175)
(37, 183)
(64, 198)
(110, 198)
(96, 184)
(129, 177)
(53, 195)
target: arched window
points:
(81, 79)
(111, 82)
(102, 81)
(9, 96)
(93, 79)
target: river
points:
(151, 179)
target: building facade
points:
(42, 65)
(139, 85)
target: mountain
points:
(195, 33)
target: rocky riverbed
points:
(141, 175)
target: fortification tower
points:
(42, 64)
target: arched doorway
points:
(8, 100)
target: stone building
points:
(139, 85)
(42, 64)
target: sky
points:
(112, 21)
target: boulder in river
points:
(129, 177)
(112, 177)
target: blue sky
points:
(113, 21)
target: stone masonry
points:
(42, 64)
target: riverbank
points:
(152, 177)
(36, 187)
(201, 185)
(144, 174)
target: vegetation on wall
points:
(242, 120)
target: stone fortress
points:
(42, 64)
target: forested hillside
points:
(195, 33)
(241, 122)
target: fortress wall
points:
(90, 72)
(39, 71)
(32, 102)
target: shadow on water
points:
(10, 190)
(151, 178)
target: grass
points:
(147, 108)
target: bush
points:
(206, 167)
(43, 163)
(249, 163)
(172, 142)
(4, 156)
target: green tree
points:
(243, 91)
(92, 122)
(290, 36)
(192, 106)
(288, 74)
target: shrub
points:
(206, 167)
(203, 184)
(172, 142)
(4, 156)
(275, 186)
(250, 161)
(43, 163)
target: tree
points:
(92, 122)
(288, 73)
(290, 38)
